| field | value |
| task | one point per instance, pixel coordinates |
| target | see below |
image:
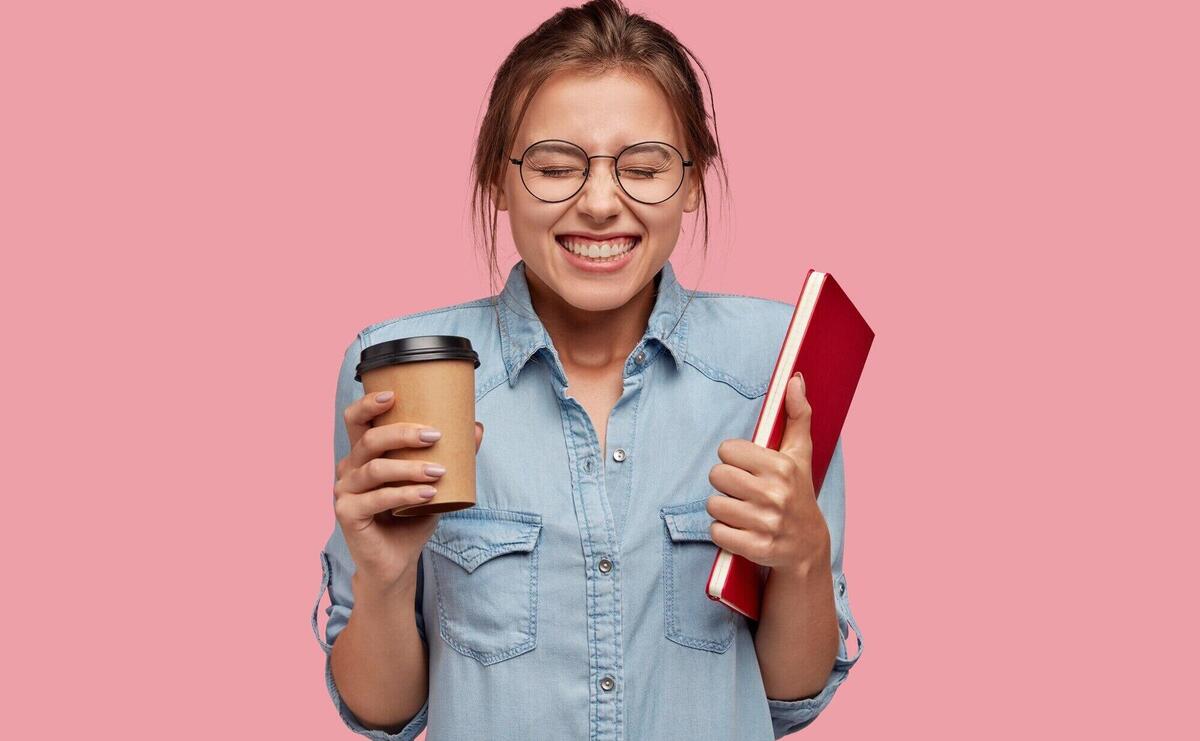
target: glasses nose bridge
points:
(588, 175)
(591, 157)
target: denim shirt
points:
(570, 602)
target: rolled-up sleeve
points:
(337, 568)
(789, 716)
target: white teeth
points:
(586, 248)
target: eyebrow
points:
(556, 146)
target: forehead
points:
(601, 113)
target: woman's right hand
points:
(385, 548)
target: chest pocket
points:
(691, 618)
(485, 564)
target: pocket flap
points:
(471, 536)
(688, 521)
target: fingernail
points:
(430, 435)
(383, 396)
(434, 470)
(427, 492)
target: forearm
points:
(378, 660)
(797, 636)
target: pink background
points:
(202, 203)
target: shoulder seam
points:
(473, 304)
(719, 376)
(715, 294)
(491, 384)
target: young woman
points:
(569, 602)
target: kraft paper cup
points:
(433, 378)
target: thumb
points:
(796, 441)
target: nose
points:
(601, 192)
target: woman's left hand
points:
(770, 515)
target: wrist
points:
(369, 592)
(816, 564)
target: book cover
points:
(827, 341)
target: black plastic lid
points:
(411, 349)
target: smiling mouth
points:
(602, 251)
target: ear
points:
(499, 197)
(692, 191)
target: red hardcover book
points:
(827, 341)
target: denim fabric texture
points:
(570, 603)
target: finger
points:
(478, 435)
(359, 507)
(734, 512)
(747, 455)
(796, 441)
(378, 440)
(736, 482)
(745, 543)
(358, 415)
(383, 471)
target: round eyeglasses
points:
(554, 170)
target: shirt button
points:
(607, 684)
(619, 455)
(587, 463)
(639, 357)
(842, 588)
(605, 566)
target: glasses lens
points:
(553, 170)
(651, 172)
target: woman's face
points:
(602, 114)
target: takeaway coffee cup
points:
(433, 377)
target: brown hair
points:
(595, 37)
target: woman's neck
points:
(592, 341)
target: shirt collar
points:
(522, 333)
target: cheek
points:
(663, 227)
(532, 223)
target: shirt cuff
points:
(338, 616)
(409, 732)
(789, 716)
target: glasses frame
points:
(588, 169)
